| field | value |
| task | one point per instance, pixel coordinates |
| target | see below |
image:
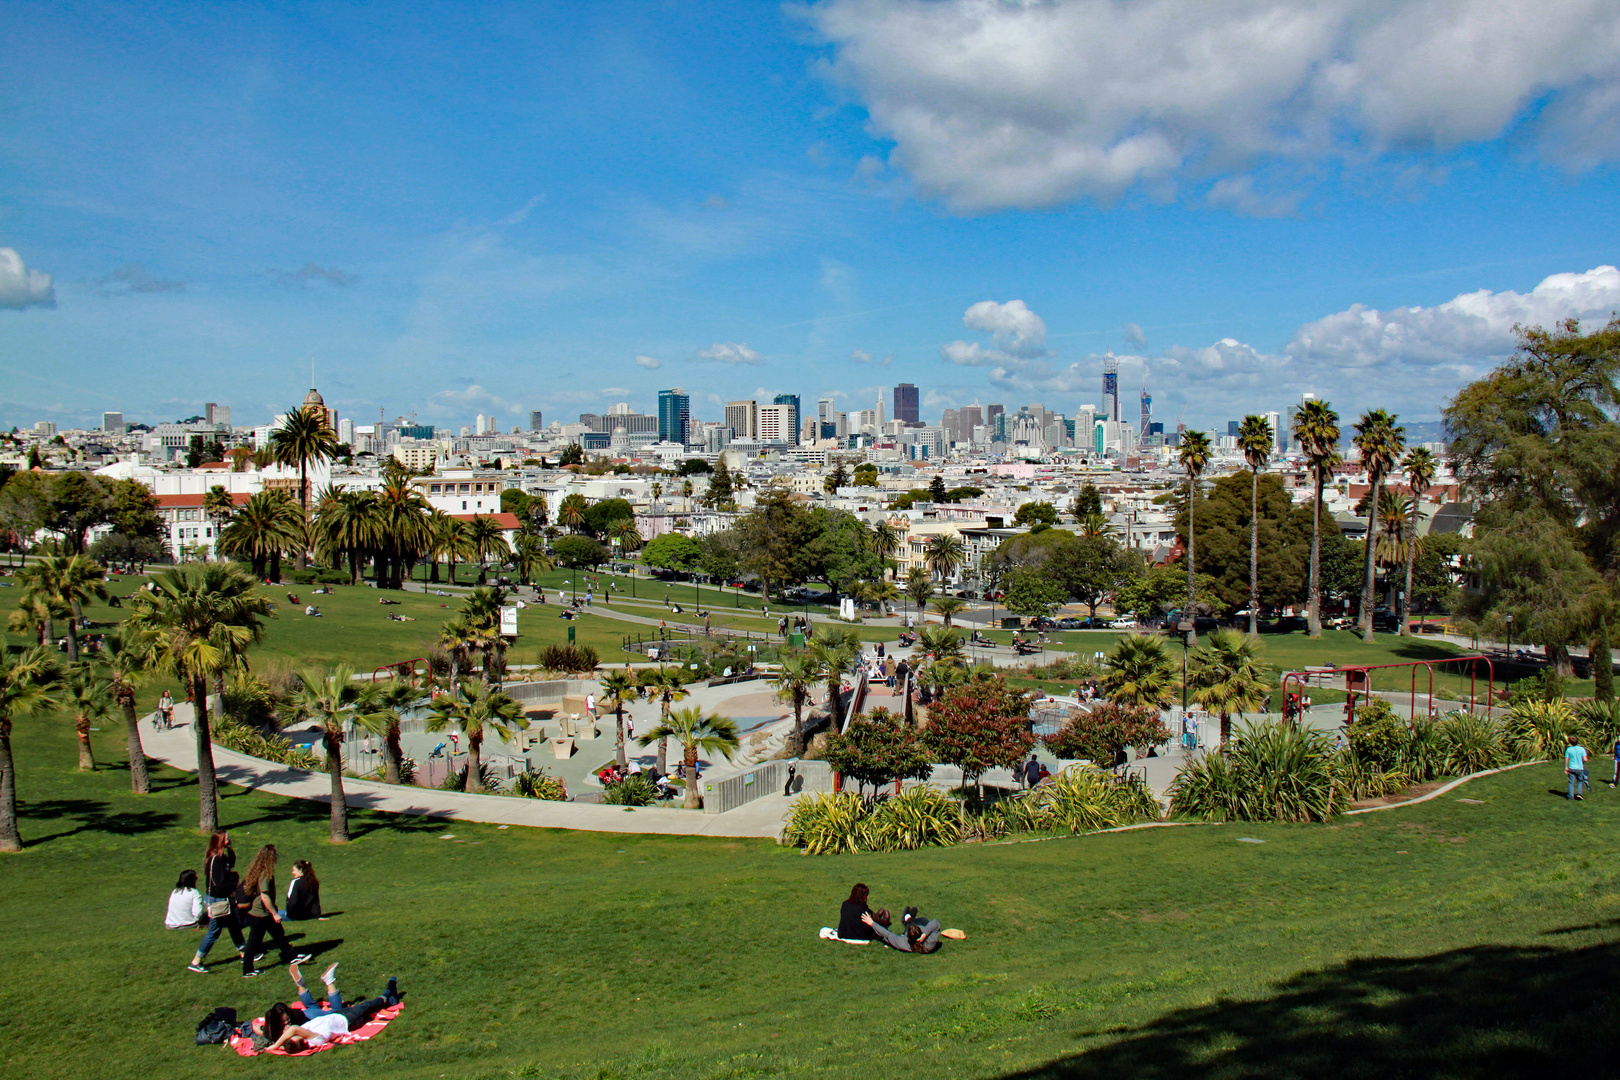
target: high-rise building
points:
(345, 432)
(793, 400)
(217, 415)
(906, 405)
(1279, 433)
(1110, 386)
(1147, 411)
(674, 415)
(536, 422)
(967, 418)
(1233, 427)
(112, 422)
(995, 418)
(480, 424)
(741, 417)
(950, 420)
(45, 429)
(778, 424)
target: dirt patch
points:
(1416, 791)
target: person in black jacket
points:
(851, 913)
(304, 893)
(219, 883)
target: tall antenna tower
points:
(1147, 409)
(1111, 381)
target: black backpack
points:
(217, 1026)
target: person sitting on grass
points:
(186, 911)
(921, 935)
(852, 911)
(303, 893)
(320, 1026)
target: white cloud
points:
(133, 278)
(21, 287)
(837, 278)
(651, 363)
(1017, 330)
(1134, 335)
(471, 399)
(995, 105)
(730, 352)
(861, 356)
(1468, 333)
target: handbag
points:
(219, 909)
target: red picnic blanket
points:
(371, 1027)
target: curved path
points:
(177, 747)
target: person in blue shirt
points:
(1575, 767)
(1616, 751)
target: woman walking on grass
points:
(219, 883)
(259, 887)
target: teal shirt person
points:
(1575, 758)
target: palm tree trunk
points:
(663, 744)
(618, 738)
(1369, 574)
(139, 781)
(73, 640)
(391, 755)
(475, 768)
(303, 505)
(693, 800)
(452, 560)
(340, 804)
(47, 631)
(1192, 583)
(1314, 600)
(207, 786)
(9, 839)
(1254, 555)
(87, 757)
(1411, 558)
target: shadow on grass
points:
(92, 816)
(1491, 1011)
(361, 821)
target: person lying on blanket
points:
(920, 936)
(320, 1026)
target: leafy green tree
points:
(879, 748)
(1032, 513)
(936, 488)
(1602, 664)
(1089, 568)
(866, 475)
(1087, 502)
(573, 454)
(1233, 542)
(1032, 593)
(1226, 676)
(693, 467)
(1316, 429)
(28, 684)
(837, 478)
(699, 732)
(1139, 671)
(720, 556)
(1380, 441)
(773, 538)
(673, 551)
(600, 515)
(1100, 733)
(838, 551)
(197, 623)
(720, 494)
(579, 551)
(473, 709)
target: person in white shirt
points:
(321, 1026)
(186, 910)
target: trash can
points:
(1011, 622)
(796, 639)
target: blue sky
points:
(454, 209)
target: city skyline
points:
(647, 203)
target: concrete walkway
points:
(177, 747)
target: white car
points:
(1122, 624)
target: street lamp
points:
(1510, 638)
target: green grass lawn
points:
(1452, 938)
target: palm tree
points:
(1139, 672)
(471, 710)
(572, 511)
(126, 671)
(1226, 677)
(944, 554)
(795, 685)
(1255, 440)
(698, 731)
(33, 618)
(218, 506)
(1380, 442)
(197, 623)
(457, 638)
(530, 556)
(1396, 521)
(1420, 466)
(619, 688)
(454, 541)
(944, 645)
(879, 594)
(885, 540)
(402, 529)
(667, 685)
(919, 586)
(304, 436)
(380, 713)
(948, 607)
(482, 614)
(834, 653)
(1316, 426)
(262, 528)
(487, 538)
(332, 700)
(87, 692)
(1194, 458)
(28, 682)
(64, 583)
(625, 532)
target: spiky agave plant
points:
(917, 817)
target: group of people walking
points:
(245, 905)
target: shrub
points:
(237, 736)
(1100, 734)
(1270, 771)
(827, 822)
(1538, 730)
(407, 771)
(1602, 722)
(1472, 742)
(918, 817)
(633, 790)
(539, 784)
(1081, 799)
(1378, 737)
(568, 659)
(457, 781)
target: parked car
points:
(1122, 624)
(1070, 624)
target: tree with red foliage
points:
(980, 725)
(877, 749)
(1099, 735)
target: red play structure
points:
(406, 669)
(1358, 681)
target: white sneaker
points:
(326, 976)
